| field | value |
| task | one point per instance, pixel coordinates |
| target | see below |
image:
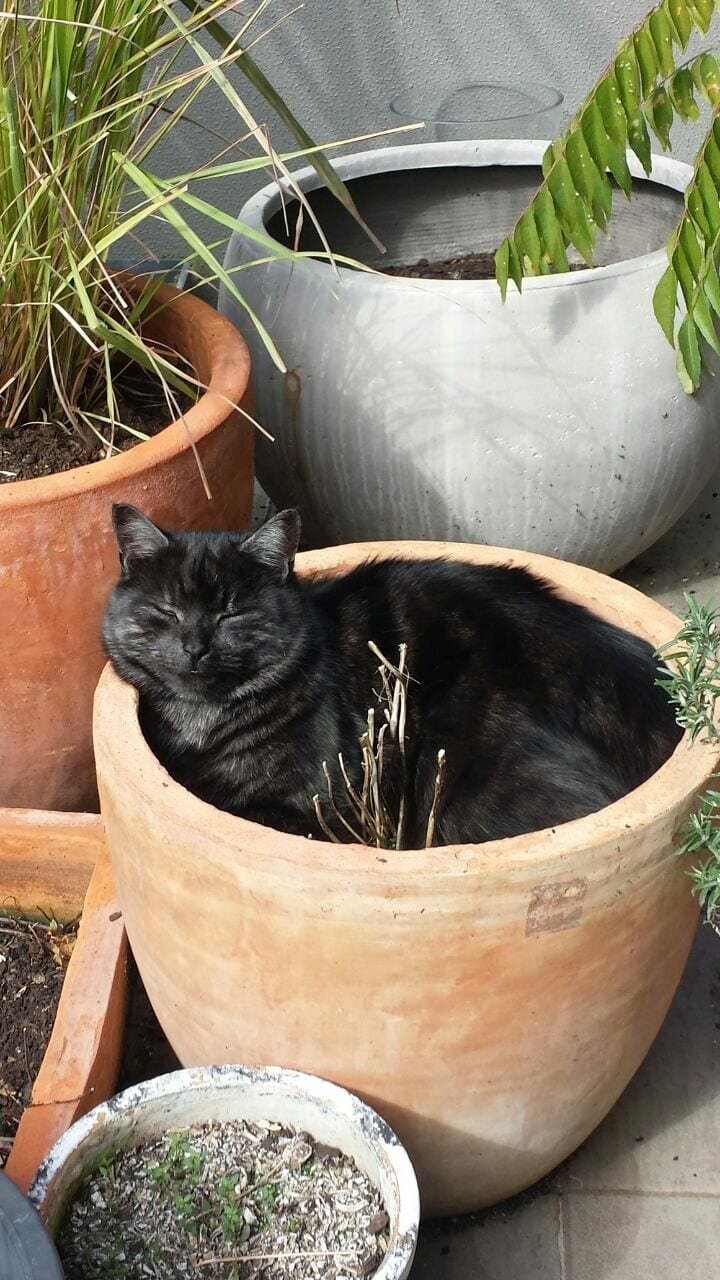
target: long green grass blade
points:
(197, 245)
(88, 90)
(259, 81)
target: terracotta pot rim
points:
(228, 384)
(683, 774)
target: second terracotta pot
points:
(490, 1001)
(58, 558)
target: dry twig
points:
(439, 779)
(372, 821)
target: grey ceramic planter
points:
(427, 409)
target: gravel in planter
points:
(230, 1201)
(33, 959)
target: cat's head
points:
(203, 615)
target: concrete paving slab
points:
(687, 558)
(519, 1245)
(619, 1236)
(664, 1133)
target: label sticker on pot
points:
(556, 906)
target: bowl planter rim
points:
(224, 394)
(484, 153)
(390, 1150)
(684, 774)
(82, 1056)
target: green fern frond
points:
(642, 91)
(694, 258)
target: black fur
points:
(250, 677)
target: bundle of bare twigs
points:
(371, 820)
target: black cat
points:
(251, 677)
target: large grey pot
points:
(427, 409)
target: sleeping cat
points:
(250, 678)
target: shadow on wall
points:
(340, 65)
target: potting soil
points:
(33, 959)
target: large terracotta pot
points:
(491, 1001)
(58, 558)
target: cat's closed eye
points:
(166, 611)
(230, 616)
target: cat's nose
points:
(195, 648)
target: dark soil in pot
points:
(230, 1201)
(146, 1051)
(43, 448)
(468, 266)
(33, 959)
(427, 212)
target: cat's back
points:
(438, 581)
(506, 668)
(500, 626)
(429, 597)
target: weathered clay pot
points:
(58, 558)
(553, 421)
(491, 1001)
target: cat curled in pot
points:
(250, 677)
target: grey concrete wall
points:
(339, 62)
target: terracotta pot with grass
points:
(490, 1001)
(58, 557)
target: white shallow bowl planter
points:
(427, 409)
(204, 1094)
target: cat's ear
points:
(137, 537)
(275, 543)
